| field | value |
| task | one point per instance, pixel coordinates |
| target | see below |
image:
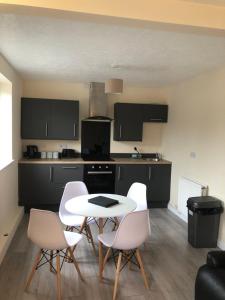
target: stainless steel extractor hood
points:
(97, 101)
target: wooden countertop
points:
(81, 161)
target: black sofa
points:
(210, 280)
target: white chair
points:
(133, 230)
(137, 192)
(45, 231)
(81, 224)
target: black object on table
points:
(103, 201)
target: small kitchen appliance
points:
(32, 151)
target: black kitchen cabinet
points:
(155, 113)
(128, 123)
(129, 119)
(42, 185)
(128, 174)
(158, 191)
(34, 118)
(155, 176)
(49, 119)
(63, 173)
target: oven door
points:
(100, 178)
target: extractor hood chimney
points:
(97, 100)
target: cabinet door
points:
(34, 118)
(36, 187)
(127, 122)
(154, 113)
(128, 174)
(67, 172)
(63, 120)
(158, 194)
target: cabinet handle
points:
(118, 173)
(99, 172)
(46, 129)
(120, 131)
(149, 173)
(50, 174)
(74, 129)
(151, 119)
(69, 168)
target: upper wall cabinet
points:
(127, 122)
(129, 118)
(155, 113)
(49, 119)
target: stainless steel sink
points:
(145, 158)
(150, 159)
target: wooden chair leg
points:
(117, 275)
(91, 238)
(142, 268)
(100, 255)
(75, 263)
(37, 259)
(81, 229)
(83, 225)
(105, 259)
(58, 276)
(117, 222)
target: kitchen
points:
(94, 130)
(182, 69)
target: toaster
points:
(69, 153)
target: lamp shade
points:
(114, 86)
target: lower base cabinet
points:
(41, 185)
(156, 177)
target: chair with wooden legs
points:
(81, 224)
(133, 230)
(137, 192)
(45, 231)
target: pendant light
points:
(114, 86)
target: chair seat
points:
(72, 238)
(73, 220)
(107, 238)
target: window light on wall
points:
(5, 121)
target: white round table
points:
(80, 206)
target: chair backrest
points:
(72, 189)
(137, 192)
(133, 230)
(45, 230)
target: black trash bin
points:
(203, 221)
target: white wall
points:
(152, 134)
(197, 124)
(10, 213)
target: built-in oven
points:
(100, 178)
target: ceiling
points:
(49, 48)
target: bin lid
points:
(204, 202)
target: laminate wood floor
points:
(170, 262)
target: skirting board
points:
(220, 244)
(177, 213)
(7, 240)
